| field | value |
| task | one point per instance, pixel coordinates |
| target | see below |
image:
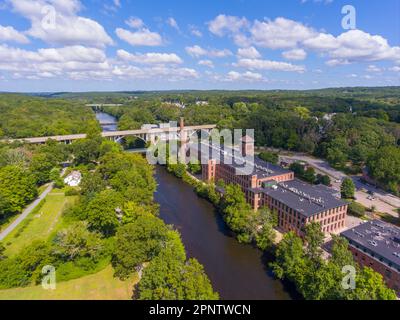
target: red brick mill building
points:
(297, 203)
(376, 244)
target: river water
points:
(109, 120)
(236, 271)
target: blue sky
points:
(72, 45)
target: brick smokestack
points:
(247, 146)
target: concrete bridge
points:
(147, 135)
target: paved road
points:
(385, 202)
(25, 213)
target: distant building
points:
(73, 179)
(329, 116)
(376, 244)
(201, 103)
(297, 203)
(175, 104)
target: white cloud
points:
(250, 53)
(135, 23)
(172, 23)
(52, 61)
(349, 47)
(59, 23)
(224, 24)
(153, 73)
(280, 33)
(81, 63)
(150, 58)
(196, 32)
(321, 41)
(295, 54)
(395, 69)
(269, 65)
(234, 76)
(142, 37)
(373, 68)
(9, 34)
(353, 46)
(206, 63)
(197, 51)
(117, 3)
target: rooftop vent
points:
(373, 243)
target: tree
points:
(41, 167)
(170, 277)
(132, 210)
(384, 166)
(102, 212)
(178, 169)
(314, 239)
(76, 242)
(197, 285)
(92, 183)
(297, 168)
(290, 260)
(347, 189)
(194, 167)
(356, 209)
(371, 286)
(323, 179)
(271, 157)
(309, 175)
(2, 250)
(138, 242)
(17, 188)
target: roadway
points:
(384, 202)
(25, 213)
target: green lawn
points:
(98, 286)
(41, 223)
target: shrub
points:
(71, 191)
(356, 209)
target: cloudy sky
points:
(72, 45)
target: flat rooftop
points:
(305, 198)
(233, 157)
(379, 239)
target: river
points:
(107, 121)
(236, 271)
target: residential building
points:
(73, 179)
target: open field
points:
(40, 223)
(98, 286)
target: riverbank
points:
(237, 271)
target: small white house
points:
(73, 179)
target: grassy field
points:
(98, 286)
(40, 224)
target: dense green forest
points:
(25, 116)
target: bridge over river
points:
(147, 135)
